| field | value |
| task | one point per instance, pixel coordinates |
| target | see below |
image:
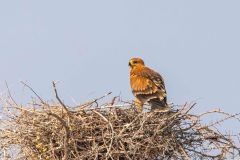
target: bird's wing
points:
(145, 81)
(155, 77)
(142, 85)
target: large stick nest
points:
(109, 131)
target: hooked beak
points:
(129, 64)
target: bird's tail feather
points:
(156, 103)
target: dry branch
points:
(110, 132)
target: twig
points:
(110, 124)
(59, 100)
(67, 132)
(33, 92)
(10, 95)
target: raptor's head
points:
(135, 62)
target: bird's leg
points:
(139, 105)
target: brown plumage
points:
(147, 86)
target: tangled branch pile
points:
(93, 131)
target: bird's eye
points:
(134, 62)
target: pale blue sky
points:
(86, 45)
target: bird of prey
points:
(147, 86)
